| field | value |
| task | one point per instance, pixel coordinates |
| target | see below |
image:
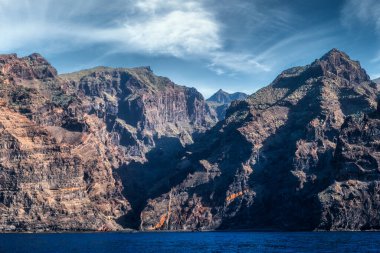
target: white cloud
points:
(186, 30)
(178, 33)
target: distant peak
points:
(224, 97)
(220, 91)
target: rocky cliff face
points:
(51, 176)
(221, 100)
(272, 163)
(109, 149)
(143, 107)
(352, 201)
(67, 143)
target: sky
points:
(235, 45)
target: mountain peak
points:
(221, 92)
(339, 64)
(334, 70)
(223, 97)
(337, 57)
(335, 52)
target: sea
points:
(192, 242)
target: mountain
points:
(70, 144)
(120, 148)
(289, 157)
(377, 80)
(222, 97)
(221, 100)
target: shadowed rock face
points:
(352, 202)
(66, 142)
(221, 100)
(270, 163)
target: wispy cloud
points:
(238, 62)
(176, 28)
(364, 11)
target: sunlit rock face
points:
(67, 142)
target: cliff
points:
(117, 148)
(272, 163)
(67, 142)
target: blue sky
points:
(236, 45)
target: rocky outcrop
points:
(221, 100)
(353, 201)
(270, 163)
(68, 143)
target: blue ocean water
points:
(193, 242)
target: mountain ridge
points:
(113, 148)
(269, 163)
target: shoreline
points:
(189, 231)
